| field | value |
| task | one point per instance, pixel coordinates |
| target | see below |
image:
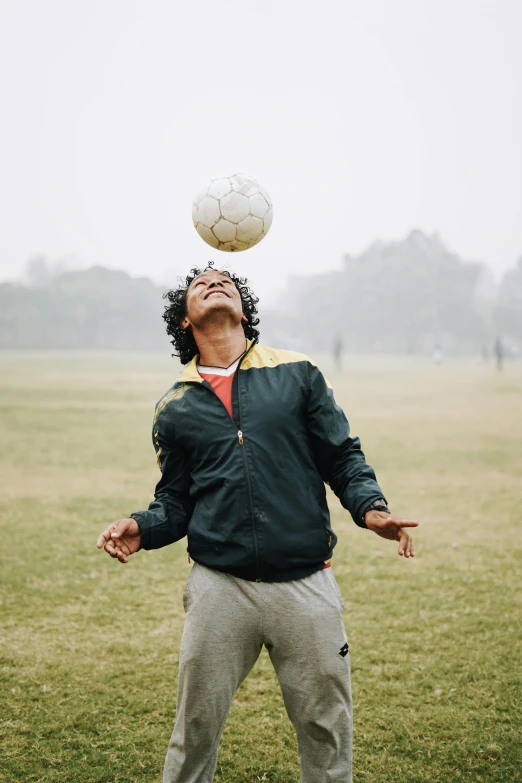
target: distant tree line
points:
(96, 309)
(403, 297)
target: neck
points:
(219, 347)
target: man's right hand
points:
(121, 539)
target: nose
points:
(214, 283)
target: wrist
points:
(379, 505)
(143, 529)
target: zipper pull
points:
(240, 437)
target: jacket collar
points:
(190, 374)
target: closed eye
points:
(203, 281)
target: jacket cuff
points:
(366, 506)
(145, 527)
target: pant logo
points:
(344, 650)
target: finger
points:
(111, 549)
(411, 553)
(119, 527)
(111, 532)
(122, 546)
(403, 541)
(116, 528)
(116, 552)
(402, 522)
(103, 537)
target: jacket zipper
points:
(247, 474)
(241, 442)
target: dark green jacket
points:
(248, 491)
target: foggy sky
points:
(362, 119)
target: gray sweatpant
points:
(227, 622)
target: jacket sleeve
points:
(166, 519)
(338, 456)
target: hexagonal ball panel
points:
(224, 230)
(258, 205)
(206, 234)
(244, 184)
(267, 222)
(234, 207)
(208, 211)
(233, 247)
(219, 188)
(250, 230)
(266, 196)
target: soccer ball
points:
(232, 213)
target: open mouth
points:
(213, 293)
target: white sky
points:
(362, 119)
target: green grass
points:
(89, 648)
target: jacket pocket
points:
(328, 532)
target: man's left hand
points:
(392, 528)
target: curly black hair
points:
(182, 339)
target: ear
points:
(185, 323)
(244, 319)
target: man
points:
(499, 353)
(245, 440)
(337, 350)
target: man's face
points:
(209, 293)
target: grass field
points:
(89, 647)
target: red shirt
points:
(221, 379)
(222, 385)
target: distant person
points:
(499, 353)
(438, 354)
(338, 350)
(245, 440)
